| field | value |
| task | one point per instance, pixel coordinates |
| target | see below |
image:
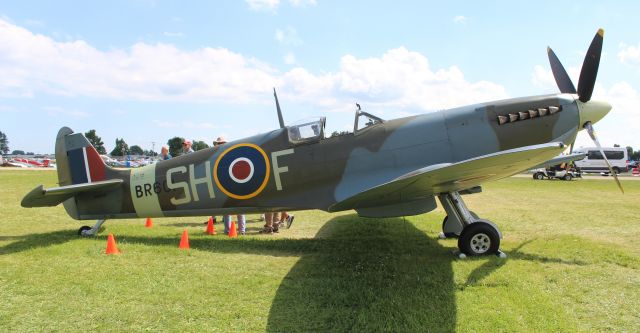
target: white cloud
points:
(460, 19)
(543, 78)
(288, 36)
(58, 111)
(263, 4)
(289, 58)
(34, 23)
(400, 78)
(300, 3)
(629, 55)
(32, 64)
(272, 5)
(173, 34)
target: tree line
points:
(122, 148)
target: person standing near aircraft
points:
(186, 146)
(164, 153)
(286, 217)
(271, 224)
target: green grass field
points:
(573, 265)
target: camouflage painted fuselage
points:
(317, 175)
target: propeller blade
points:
(560, 74)
(589, 69)
(592, 134)
(571, 147)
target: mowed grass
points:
(573, 265)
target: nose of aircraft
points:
(593, 111)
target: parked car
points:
(594, 162)
(558, 172)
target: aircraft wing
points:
(560, 160)
(41, 197)
(447, 177)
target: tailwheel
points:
(479, 238)
(86, 231)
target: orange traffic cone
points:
(111, 245)
(149, 223)
(232, 230)
(211, 230)
(184, 241)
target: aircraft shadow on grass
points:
(33, 241)
(356, 274)
(370, 275)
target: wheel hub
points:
(480, 243)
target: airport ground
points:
(573, 265)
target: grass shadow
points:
(355, 275)
(32, 241)
(376, 275)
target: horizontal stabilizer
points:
(41, 197)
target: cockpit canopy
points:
(311, 130)
(365, 120)
(306, 130)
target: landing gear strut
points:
(86, 231)
(476, 236)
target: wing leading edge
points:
(448, 177)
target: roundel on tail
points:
(242, 171)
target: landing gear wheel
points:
(538, 176)
(453, 234)
(479, 238)
(83, 228)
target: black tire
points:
(83, 228)
(479, 238)
(538, 176)
(616, 170)
(567, 177)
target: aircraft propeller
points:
(590, 111)
(592, 134)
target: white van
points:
(594, 162)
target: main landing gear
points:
(86, 231)
(476, 236)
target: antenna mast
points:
(278, 108)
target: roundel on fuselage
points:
(242, 171)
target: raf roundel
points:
(242, 171)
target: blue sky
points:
(149, 70)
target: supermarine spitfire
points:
(385, 168)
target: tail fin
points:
(77, 160)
